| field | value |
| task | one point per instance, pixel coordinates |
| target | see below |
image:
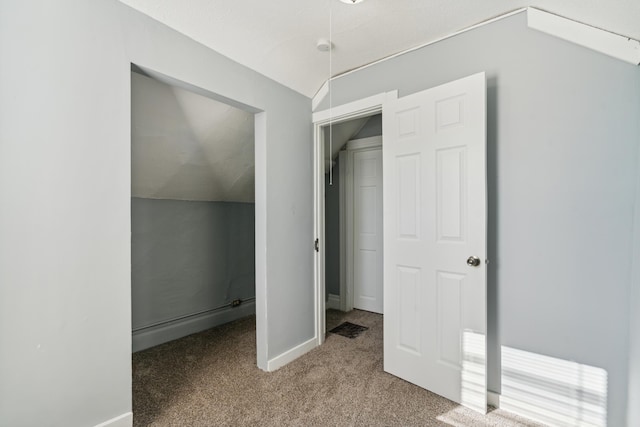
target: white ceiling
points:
(185, 146)
(188, 147)
(278, 37)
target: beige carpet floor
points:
(211, 379)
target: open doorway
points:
(192, 212)
(353, 215)
(192, 216)
(435, 238)
(339, 133)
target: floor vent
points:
(348, 329)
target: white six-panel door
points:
(434, 161)
(367, 224)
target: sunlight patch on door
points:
(553, 391)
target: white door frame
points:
(352, 110)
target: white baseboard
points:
(333, 302)
(164, 333)
(124, 420)
(290, 355)
(493, 399)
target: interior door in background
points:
(368, 235)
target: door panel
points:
(434, 219)
(368, 237)
(409, 333)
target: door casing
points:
(353, 110)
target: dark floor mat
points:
(348, 329)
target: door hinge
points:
(316, 245)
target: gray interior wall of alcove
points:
(189, 257)
(65, 272)
(563, 138)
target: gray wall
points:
(188, 257)
(373, 127)
(563, 137)
(65, 259)
(633, 409)
(332, 232)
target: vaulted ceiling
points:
(188, 147)
(278, 37)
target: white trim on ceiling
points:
(614, 45)
(606, 42)
(319, 96)
(464, 30)
(323, 91)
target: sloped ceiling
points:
(278, 37)
(188, 147)
(185, 146)
(340, 133)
